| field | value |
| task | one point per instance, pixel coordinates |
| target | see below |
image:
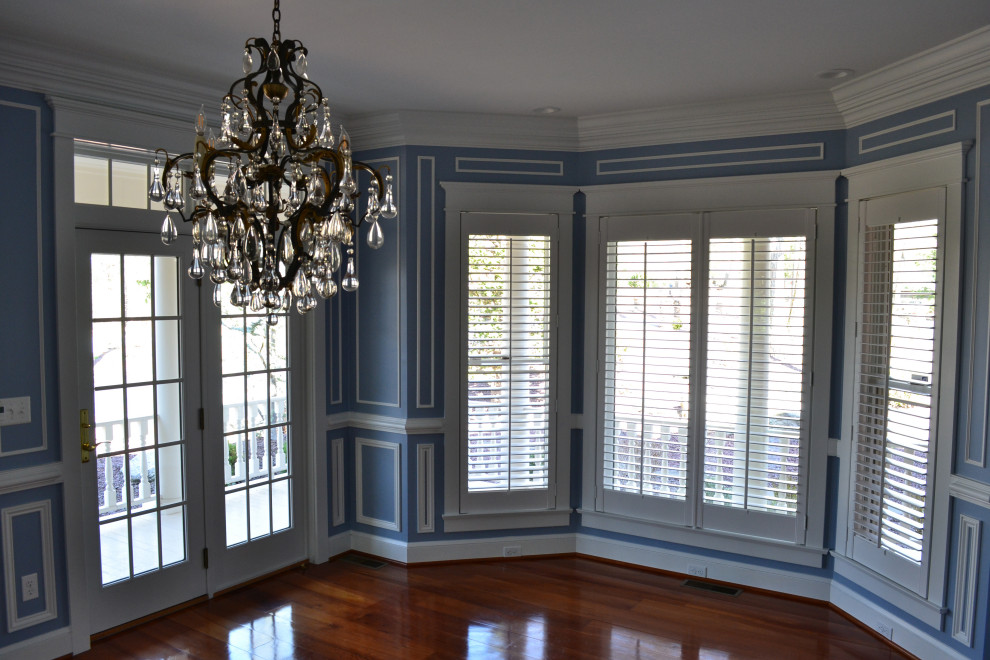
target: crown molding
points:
(458, 129)
(65, 74)
(747, 117)
(951, 68)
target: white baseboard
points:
(785, 582)
(337, 544)
(459, 550)
(910, 638)
(519, 546)
(54, 644)
(380, 546)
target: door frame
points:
(75, 119)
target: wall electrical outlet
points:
(29, 587)
(697, 570)
(884, 629)
(512, 551)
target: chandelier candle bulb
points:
(287, 210)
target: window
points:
(902, 318)
(507, 356)
(508, 362)
(897, 341)
(707, 369)
(897, 373)
(112, 175)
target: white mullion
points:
(154, 408)
(642, 378)
(749, 368)
(701, 272)
(512, 356)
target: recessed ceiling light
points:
(546, 110)
(836, 74)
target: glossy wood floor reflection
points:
(531, 608)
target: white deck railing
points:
(253, 453)
(141, 488)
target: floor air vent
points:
(712, 588)
(367, 562)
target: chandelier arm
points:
(290, 133)
(208, 159)
(377, 173)
(174, 164)
(331, 186)
(303, 215)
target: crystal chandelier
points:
(284, 221)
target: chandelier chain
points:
(276, 18)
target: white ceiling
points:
(587, 57)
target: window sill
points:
(477, 522)
(920, 608)
(698, 538)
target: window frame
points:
(511, 207)
(922, 590)
(814, 192)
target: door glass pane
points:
(255, 422)
(137, 414)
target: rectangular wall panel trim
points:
(786, 153)
(425, 483)
(360, 444)
(12, 581)
(339, 483)
(977, 455)
(509, 166)
(39, 229)
(426, 273)
(397, 320)
(908, 132)
(967, 574)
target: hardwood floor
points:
(530, 608)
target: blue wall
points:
(28, 364)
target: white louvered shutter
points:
(756, 342)
(647, 367)
(894, 424)
(508, 361)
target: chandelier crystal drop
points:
(278, 225)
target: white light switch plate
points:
(16, 410)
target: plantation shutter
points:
(647, 367)
(897, 369)
(757, 332)
(755, 372)
(508, 362)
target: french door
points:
(193, 481)
(138, 342)
(252, 452)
